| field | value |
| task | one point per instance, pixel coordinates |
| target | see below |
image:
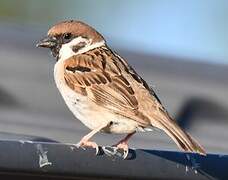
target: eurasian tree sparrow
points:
(103, 91)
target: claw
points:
(97, 150)
(125, 153)
(78, 145)
(124, 146)
(84, 144)
(115, 151)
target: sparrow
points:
(103, 91)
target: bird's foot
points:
(124, 146)
(85, 143)
(121, 150)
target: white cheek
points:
(66, 49)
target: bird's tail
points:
(183, 140)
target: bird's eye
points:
(67, 36)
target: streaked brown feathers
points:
(106, 79)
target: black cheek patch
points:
(79, 46)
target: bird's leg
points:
(123, 144)
(85, 141)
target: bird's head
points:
(71, 37)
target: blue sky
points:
(194, 29)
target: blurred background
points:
(179, 47)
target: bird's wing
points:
(97, 75)
(110, 82)
(159, 117)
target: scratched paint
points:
(194, 165)
(186, 169)
(25, 141)
(43, 158)
(22, 142)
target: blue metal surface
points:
(64, 160)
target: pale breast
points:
(88, 112)
(77, 103)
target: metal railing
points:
(56, 160)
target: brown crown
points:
(76, 28)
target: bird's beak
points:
(47, 42)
